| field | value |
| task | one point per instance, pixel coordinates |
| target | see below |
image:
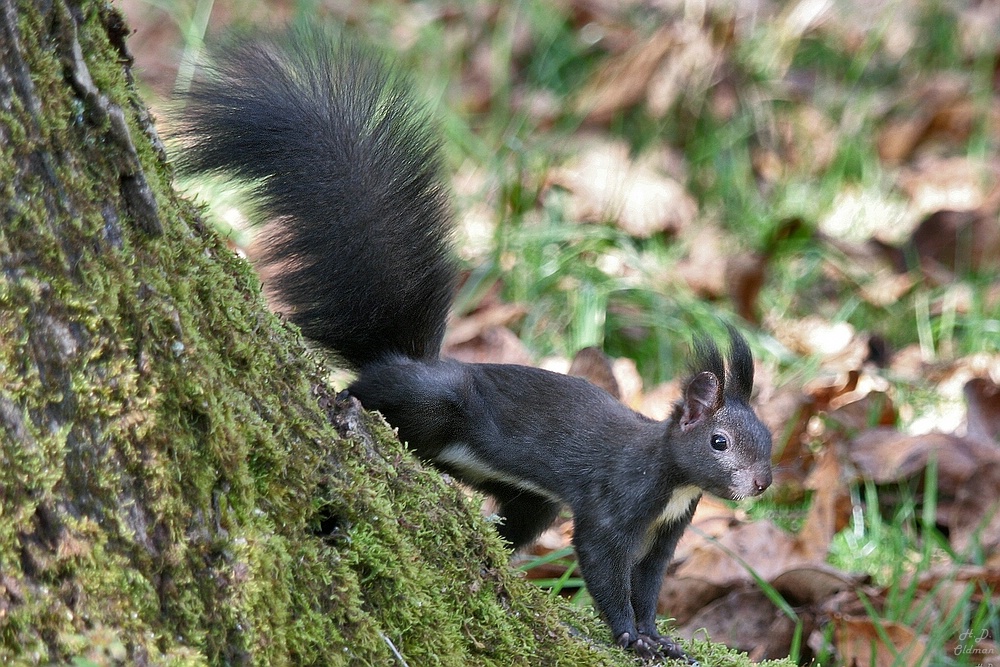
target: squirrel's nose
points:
(761, 481)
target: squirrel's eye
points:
(719, 442)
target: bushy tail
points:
(344, 164)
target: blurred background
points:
(824, 174)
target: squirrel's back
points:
(345, 165)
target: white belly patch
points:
(677, 506)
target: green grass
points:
(896, 553)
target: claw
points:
(654, 648)
(673, 650)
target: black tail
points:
(344, 163)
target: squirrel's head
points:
(720, 445)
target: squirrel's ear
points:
(702, 397)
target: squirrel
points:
(347, 167)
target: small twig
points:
(395, 651)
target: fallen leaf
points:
(786, 413)
(902, 134)
(658, 403)
(745, 275)
(886, 455)
(761, 546)
(900, 137)
(958, 183)
(884, 288)
(681, 599)
(858, 214)
(814, 583)
(948, 242)
(803, 141)
(606, 184)
(489, 315)
(860, 643)
(715, 266)
(495, 345)
(704, 266)
(593, 365)
(830, 509)
(819, 337)
(974, 519)
(982, 398)
(628, 379)
(746, 620)
(622, 81)
(690, 70)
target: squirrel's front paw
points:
(670, 649)
(654, 647)
(645, 647)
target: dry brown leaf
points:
(982, 398)
(900, 136)
(866, 407)
(804, 141)
(761, 545)
(886, 455)
(629, 380)
(623, 80)
(715, 266)
(824, 390)
(860, 643)
(857, 214)
(829, 511)
(691, 68)
(681, 599)
(909, 363)
(493, 314)
(557, 536)
(712, 519)
(959, 183)
(987, 578)
(946, 592)
(606, 184)
(704, 267)
(957, 241)
(745, 275)
(884, 288)
(680, 59)
(835, 342)
(658, 402)
(495, 345)
(593, 365)
(812, 584)
(786, 413)
(746, 620)
(852, 401)
(974, 519)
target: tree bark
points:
(178, 485)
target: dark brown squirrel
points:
(347, 165)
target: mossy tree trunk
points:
(177, 484)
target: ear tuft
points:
(740, 378)
(702, 397)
